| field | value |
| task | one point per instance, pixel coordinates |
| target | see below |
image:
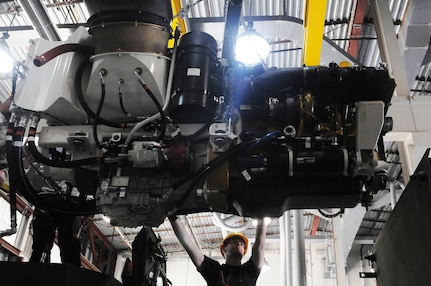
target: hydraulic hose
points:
(87, 109)
(63, 207)
(268, 138)
(198, 174)
(12, 185)
(15, 182)
(99, 110)
(160, 114)
(19, 180)
(56, 163)
(156, 102)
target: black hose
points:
(12, 176)
(61, 206)
(245, 146)
(56, 163)
(159, 107)
(181, 138)
(14, 79)
(198, 174)
(19, 180)
(15, 182)
(98, 112)
(120, 99)
(87, 109)
(265, 140)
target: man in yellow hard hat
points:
(233, 243)
(233, 248)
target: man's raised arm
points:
(258, 251)
(187, 241)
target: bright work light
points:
(251, 48)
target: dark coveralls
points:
(44, 226)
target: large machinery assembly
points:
(115, 121)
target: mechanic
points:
(233, 248)
(44, 226)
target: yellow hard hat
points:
(235, 234)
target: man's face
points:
(235, 246)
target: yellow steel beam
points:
(177, 21)
(314, 22)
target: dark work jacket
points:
(216, 274)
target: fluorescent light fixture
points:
(251, 48)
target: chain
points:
(182, 13)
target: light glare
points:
(6, 62)
(251, 48)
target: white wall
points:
(182, 272)
(355, 265)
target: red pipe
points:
(54, 52)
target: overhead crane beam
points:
(314, 22)
(389, 46)
(178, 20)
